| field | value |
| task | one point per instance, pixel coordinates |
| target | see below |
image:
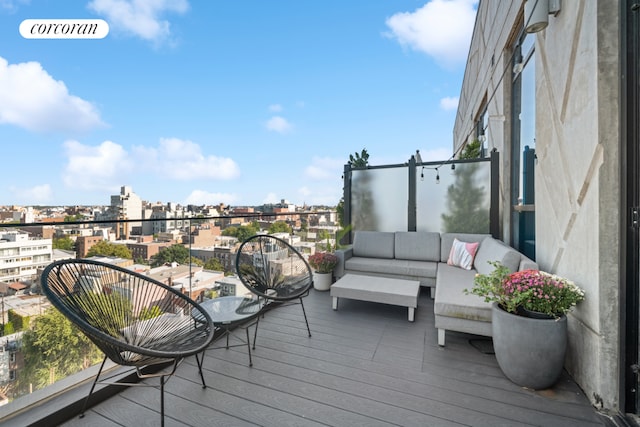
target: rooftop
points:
(364, 365)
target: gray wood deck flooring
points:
(365, 365)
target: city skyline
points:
(236, 103)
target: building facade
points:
(21, 256)
(559, 102)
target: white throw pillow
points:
(462, 254)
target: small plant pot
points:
(322, 281)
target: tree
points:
(19, 322)
(105, 248)
(359, 160)
(279, 227)
(54, 349)
(322, 235)
(174, 253)
(9, 328)
(363, 212)
(64, 243)
(465, 204)
(73, 218)
(242, 232)
(213, 264)
(471, 150)
(340, 212)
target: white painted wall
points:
(578, 166)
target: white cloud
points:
(271, 198)
(449, 103)
(324, 168)
(141, 18)
(107, 165)
(201, 197)
(278, 124)
(95, 168)
(275, 108)
(11, 5)
(183, 160)
(40, 194)
(440, 28)
(32, 99)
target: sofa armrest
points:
(527, 264)
(343, 255)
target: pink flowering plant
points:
(532, 290)
(323, 262)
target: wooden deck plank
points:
(365, 364)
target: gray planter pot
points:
(529, 351)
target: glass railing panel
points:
(379, 199)
(454, 199)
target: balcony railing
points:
(23, 396)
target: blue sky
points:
(241, 102)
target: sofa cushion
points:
(374, 244)
(399, 267)
(446, 241)
(451, 301)
(417, 245)
(494, 250)
(462, 254)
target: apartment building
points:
(21, 255)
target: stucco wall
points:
(577, 170)
(577, 182)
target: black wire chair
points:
(135, 320)
(273, 270)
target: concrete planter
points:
(529, 351)
(322, 281)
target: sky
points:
(240, 102)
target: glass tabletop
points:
(225, 310)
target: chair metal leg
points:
(162, 401)
(305, 317)
(255, 333)
(200, 362)
(246, 330)
(93, 386)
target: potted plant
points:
(323, 264)
(529, 322)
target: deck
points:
(365, 365)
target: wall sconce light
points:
(536, 13)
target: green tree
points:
(19, 322)
(149, 313)
(279, 227)
(9, 328)
(363, 212)
(465, 203)
(73, 218)
(64, 243)
(242, 232)
(322, 235)
(174, 253)
(471, 150)
(340, 212)
(359, 160)
(213, 264)
(54, 349)
(104, 248)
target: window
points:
(523, 144)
